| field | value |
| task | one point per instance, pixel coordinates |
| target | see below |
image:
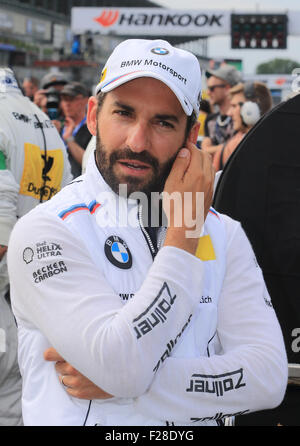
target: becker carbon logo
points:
(160, 51)
(156, 313)
(50, 270)
(117, 252)
(216, 384)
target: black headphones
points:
(249, 111)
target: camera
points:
(52, 105)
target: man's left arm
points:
(250, 374)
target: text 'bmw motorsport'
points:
(151, 62)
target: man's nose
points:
(138, 137)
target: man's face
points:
(72, 106)
(140, 129)
(235, 111)
(29, 89)
(217, 90)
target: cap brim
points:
(114, 83)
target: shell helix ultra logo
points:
(107, 18)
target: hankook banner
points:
(150, 21)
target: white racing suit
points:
(177, 339)
(33, 167)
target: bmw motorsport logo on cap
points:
(160, 51)
(117, 252)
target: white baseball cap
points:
(178, 69)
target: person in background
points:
(30, 86)
(140, 322)
(218, 125)
(51, 83)
(205, 110)
(248, 103)
(74, 99)
(33, 167)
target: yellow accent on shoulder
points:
(205, 249)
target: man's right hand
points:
(190, 174)
(75, 383)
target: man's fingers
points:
(64, 368)
(52, 355)
(180, 164)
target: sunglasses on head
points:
(215, 86)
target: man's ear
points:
(193, 135)
(91, 116)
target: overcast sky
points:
(219, 46)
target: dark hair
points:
(257, 92)
(205, 106)
(32, 79)
(191, 120)
(262, 96)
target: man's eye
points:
(122, 112)
(165, 124)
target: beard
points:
(106, 164)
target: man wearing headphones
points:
(249, 102)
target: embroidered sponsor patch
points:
(160, 51)
(156, 313)
(170, 345)
(216, 384)
(117, 252)
(48, 271)
(28, 255)
(48, 249)
(42, 250)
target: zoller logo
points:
(107, 18)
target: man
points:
(74, 99)
(248, 103)
(33, 167)
(51, 83)
(148, 325)
(218, 125)
(30, 86)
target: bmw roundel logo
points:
(160, 51)
(117, 252)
